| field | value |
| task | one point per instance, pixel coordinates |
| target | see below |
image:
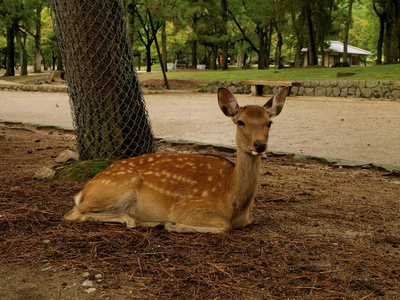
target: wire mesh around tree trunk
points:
(108, 109)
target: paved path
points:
(353, 129)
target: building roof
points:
(336, 46)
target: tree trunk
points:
(214, 57)
(278, 53)
(379, 46)
(194, 54)
(37, 67)
(164, 45)
(60, 65)
(387, 41)
(346, 31)
(298, 58)
(194, 42)
(23, 56)
(392, 53)
(263, 48)
(10, 65)
(224, 7)
(148, 58)
(109, 114)
(312, 49)
(239, 62)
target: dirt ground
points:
(320, 232)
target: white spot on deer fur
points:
(120, 173)
(205, 194)
(78, 198)
(150, 159)
(131, 164)
(210, 178)
(209, 166)
(221, 171)
(123, 162)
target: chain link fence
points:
(107, 105)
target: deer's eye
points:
(269, 124)
(240, 123)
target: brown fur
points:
(186, 193)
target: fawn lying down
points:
(185, 193)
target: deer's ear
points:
(227, 102)
(275, 104)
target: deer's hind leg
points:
(201, 220)
(104, 209)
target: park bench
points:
(257, 86)
(180, 64)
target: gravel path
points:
(353, 129)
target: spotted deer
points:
(185, 193)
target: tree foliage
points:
(215, 32)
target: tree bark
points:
(379, 45)
(37, 66)
(224, 7)
(278, 53)
(194, 54)
(393, 40)
(298, 28)
(109, 114)
(346, 30)
(312, 49)
(164, 45)
(10, 65)
(23, 56)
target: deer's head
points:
(253, 122)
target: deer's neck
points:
(246, 179)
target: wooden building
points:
(334, 54)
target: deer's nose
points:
(260, 146)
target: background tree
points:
(224, 30)
(312, 45)
(388, 12)
(107, 104)
(297, 17)
(346, 30)
(11, 13)
(381, 13)
(258, 36)
(142, 28)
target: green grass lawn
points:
(383, 72)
